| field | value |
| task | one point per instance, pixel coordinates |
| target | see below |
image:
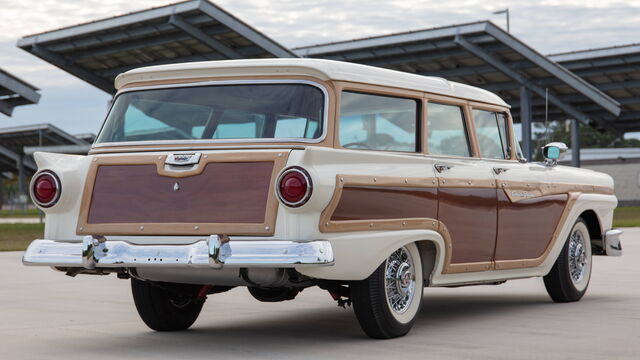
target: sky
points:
(549, 26)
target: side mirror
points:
(553, 152)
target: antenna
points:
(546, 114)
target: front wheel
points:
(166, 307)
(389, 300)
(569, 277)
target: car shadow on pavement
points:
(297, 332)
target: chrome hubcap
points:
(578, 262)
(400, 280)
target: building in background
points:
(622, 164)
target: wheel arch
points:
(429, 256)
(595, 229)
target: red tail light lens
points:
(294, 187)
(45, 189)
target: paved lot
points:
(46, 315)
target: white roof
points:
(318, 68)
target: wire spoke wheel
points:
(577, 256)
(400, 280)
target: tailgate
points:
(218, 193)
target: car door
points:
(527, 217)
(467, 203)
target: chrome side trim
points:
(325, 115)
(215, 252)
(612, 243)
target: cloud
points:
(548, 26)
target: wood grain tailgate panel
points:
(223, 193)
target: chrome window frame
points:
(322, 137)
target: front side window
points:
(447, 130)
(374, 122)
(491, 130)
(237, 111)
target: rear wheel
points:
(569, 278)
(166, 307)
(388, 302)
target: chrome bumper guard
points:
(215, 252)
(612, 243)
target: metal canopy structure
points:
(615, 71)
(482, 54)
(13, 140)
(183, 32)
(15, 92)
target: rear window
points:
(239, 111)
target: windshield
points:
(237, 111)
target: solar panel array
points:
(615, 71)
(15, 92)
(189, 31)
(480, 54)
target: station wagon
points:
(282, 174)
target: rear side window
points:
(447, 130)
(491, 130)
(374, 122)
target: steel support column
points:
(22, 189)
(525, 122)
(575, 143)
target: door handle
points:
(440, 167)
(499, 170)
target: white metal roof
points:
(318, 68)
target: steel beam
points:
(245, 30)
(201, 36)
(15, 157)
(560, 72)
(69, 66)
(526, 122)
(414, 36)
(18, 87)
(6, 107)
(575, 143)
(570, 110)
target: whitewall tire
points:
(569, 278)
(389, 300)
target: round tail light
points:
(45, 189)
(294, 186)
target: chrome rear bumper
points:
(98, 252)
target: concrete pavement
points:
(46, 315)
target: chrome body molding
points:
(215, 252)
(612, 243)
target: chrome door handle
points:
(499, 170)
(440, 168)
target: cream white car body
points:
(357, 253)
